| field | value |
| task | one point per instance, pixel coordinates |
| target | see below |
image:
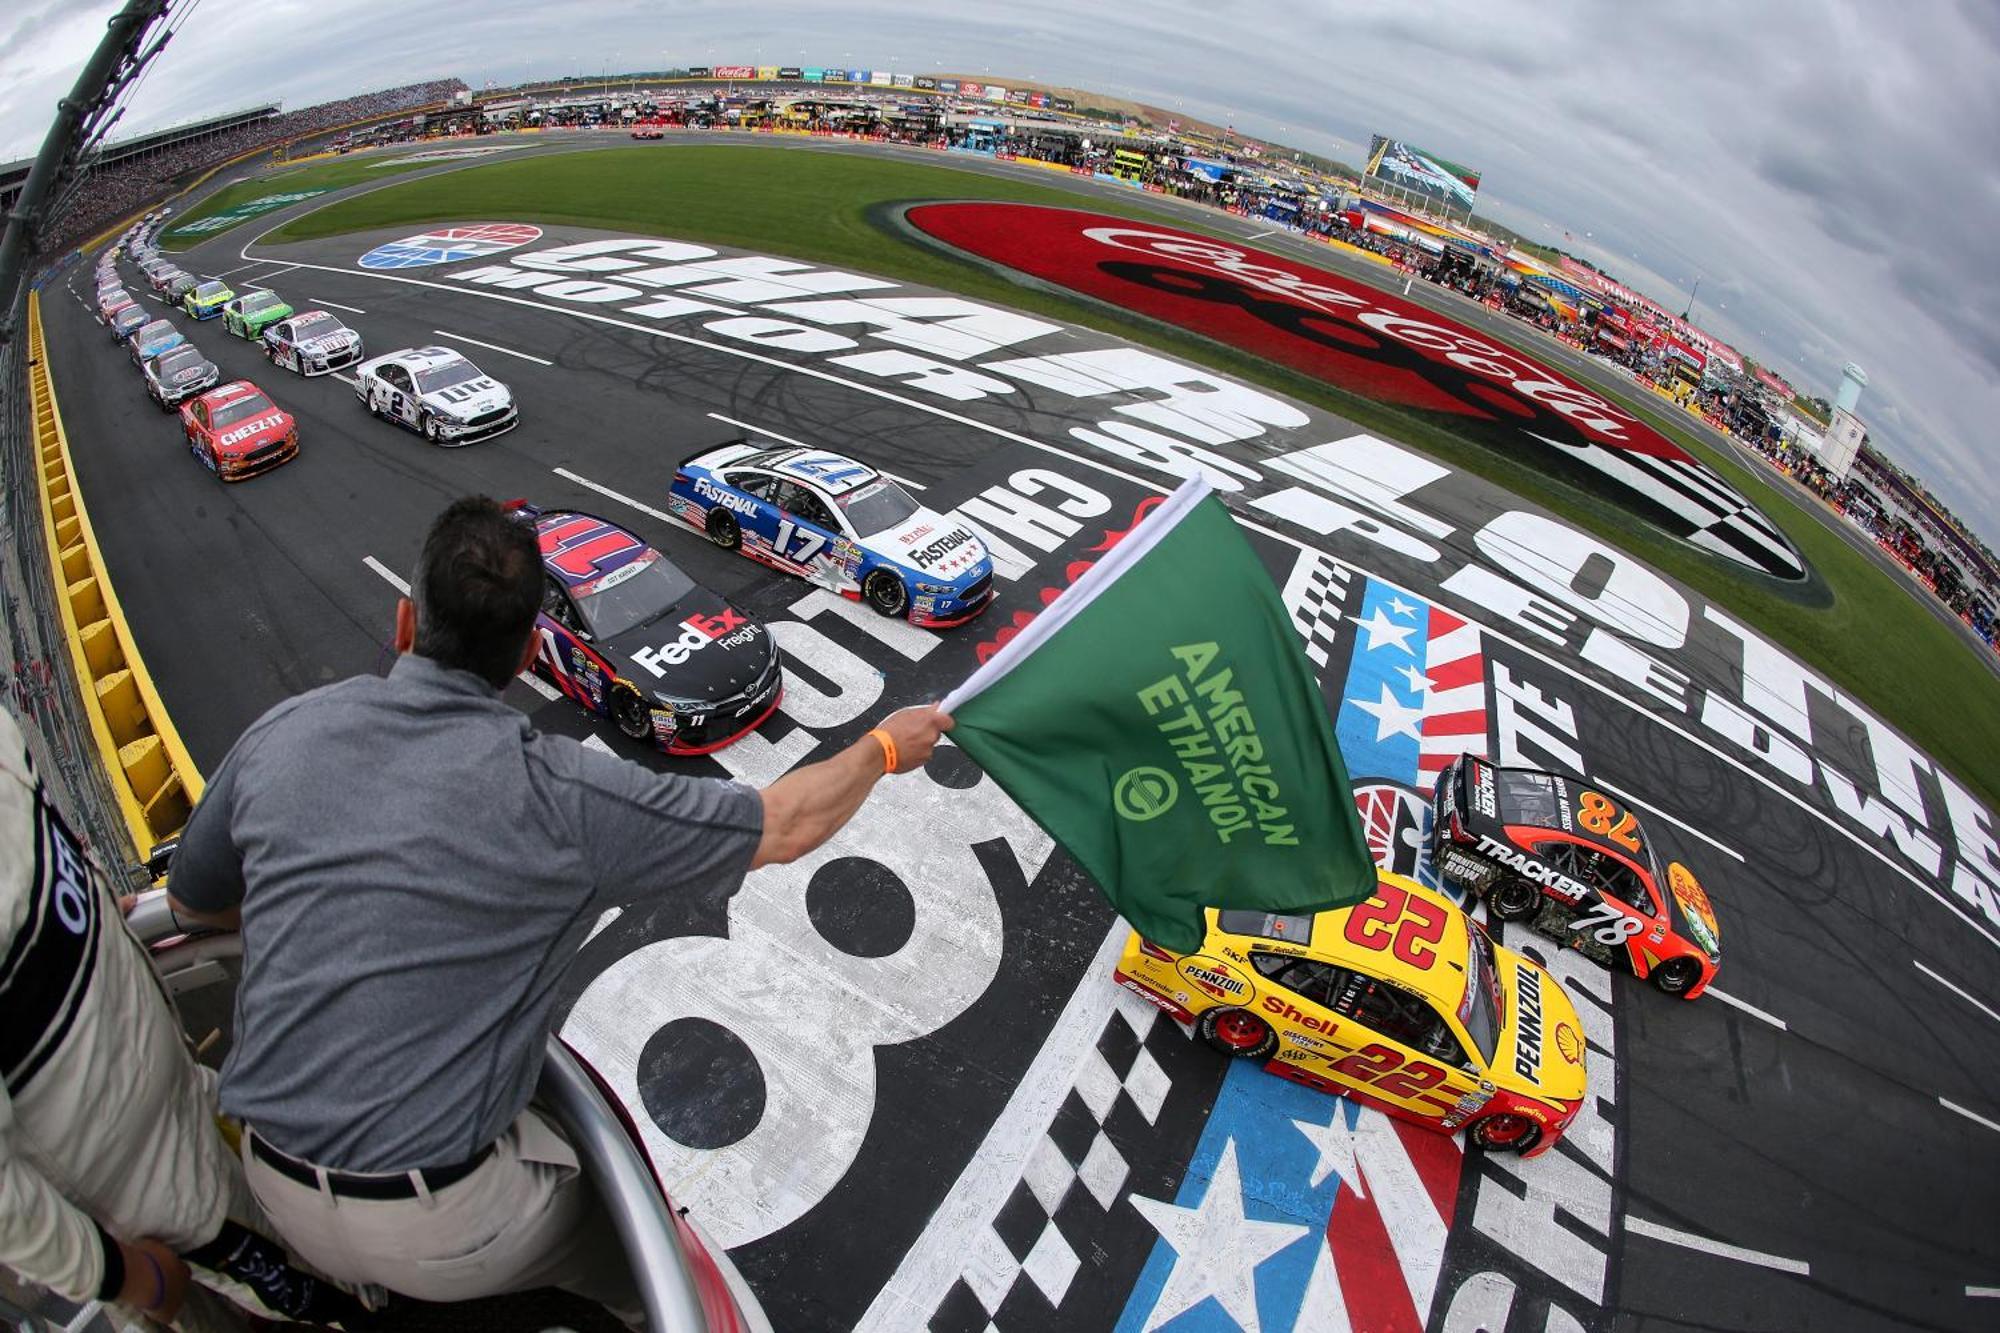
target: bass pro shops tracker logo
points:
(448, 245)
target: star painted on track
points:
(1401, 607)
(1216, 1248)
(1380, 629)
(1335, 1145)
(1392, 716)
(1420, 684)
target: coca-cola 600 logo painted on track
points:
(1376, 345)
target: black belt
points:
(349, 1185)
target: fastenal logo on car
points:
(448, 245)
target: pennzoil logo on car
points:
(1214, 977)
(1528, 1027)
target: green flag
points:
(1160, 720)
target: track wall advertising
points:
(1411, 168)
(1380, 346)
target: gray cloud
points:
(1830, 170)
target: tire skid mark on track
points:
(1097, 464)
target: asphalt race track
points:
(897, 1079)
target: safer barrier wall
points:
(155, 782)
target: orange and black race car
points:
(1573, 862)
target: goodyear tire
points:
(1513, 899)
(629, 711)
(1505, 1132)
(723, 529)
(1676, 976)
(886, 594)
(1238, 1032)
(429, 426)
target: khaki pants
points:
(526, 1217)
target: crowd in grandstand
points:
(113, 192)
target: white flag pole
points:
(1079, 595)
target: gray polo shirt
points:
(416, 867)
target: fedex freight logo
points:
(697, 632)
(448, 245)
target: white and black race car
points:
(437, 393)
(312, 343)
(178, 375)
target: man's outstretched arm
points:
(809, 805)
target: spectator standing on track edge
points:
(413, 867)
(113, 1174)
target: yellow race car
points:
(1402, 1002)
(205, 299)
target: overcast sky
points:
(1830, 171)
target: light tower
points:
(1853, 379)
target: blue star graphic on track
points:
(1392, 716)
(1217, 1248)
(1380, 630)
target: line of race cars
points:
(1403, 1002)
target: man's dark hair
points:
(478, 587)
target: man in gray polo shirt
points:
(413, 866)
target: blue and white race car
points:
(838, 523)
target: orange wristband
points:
(888, 750)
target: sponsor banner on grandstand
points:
(859, 76)
(903, 81)
(243, 212)
(1062, 104)
(698, 71)
(954, 86)
(1371, 342)
(927, 83)
(448, 245)
(834, 76)
(993, 93)
(881, 78)
(792, 72)
(812, 74)
(1019, 96)
(767, 73)
(1038, 99)
(1411, 168)
(735, 71)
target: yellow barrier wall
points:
(149, 769)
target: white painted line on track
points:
(608, 493)
(1950, 1105)
(401, 585)
(1962, 994)
(321, 300)
(596, 742)
(1688, 1241)
(1096, 464)
(1989, 1293)
(1260, 235)
(934, 1261)
(396, 581)
(1748, 1008)
(459, 337)
(1656, 812)
(903, 481)
(348, 380)
(758, 430)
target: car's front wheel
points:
(1505, 1131)
(1676, 976)
(886, 594)
(724, 530)
(1513, 899)
(431, 429)
(631, 715)
(1238, 1032)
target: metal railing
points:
(686, 1283)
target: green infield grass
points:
(240, 199)
(1867, 634)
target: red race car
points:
(237, 432)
